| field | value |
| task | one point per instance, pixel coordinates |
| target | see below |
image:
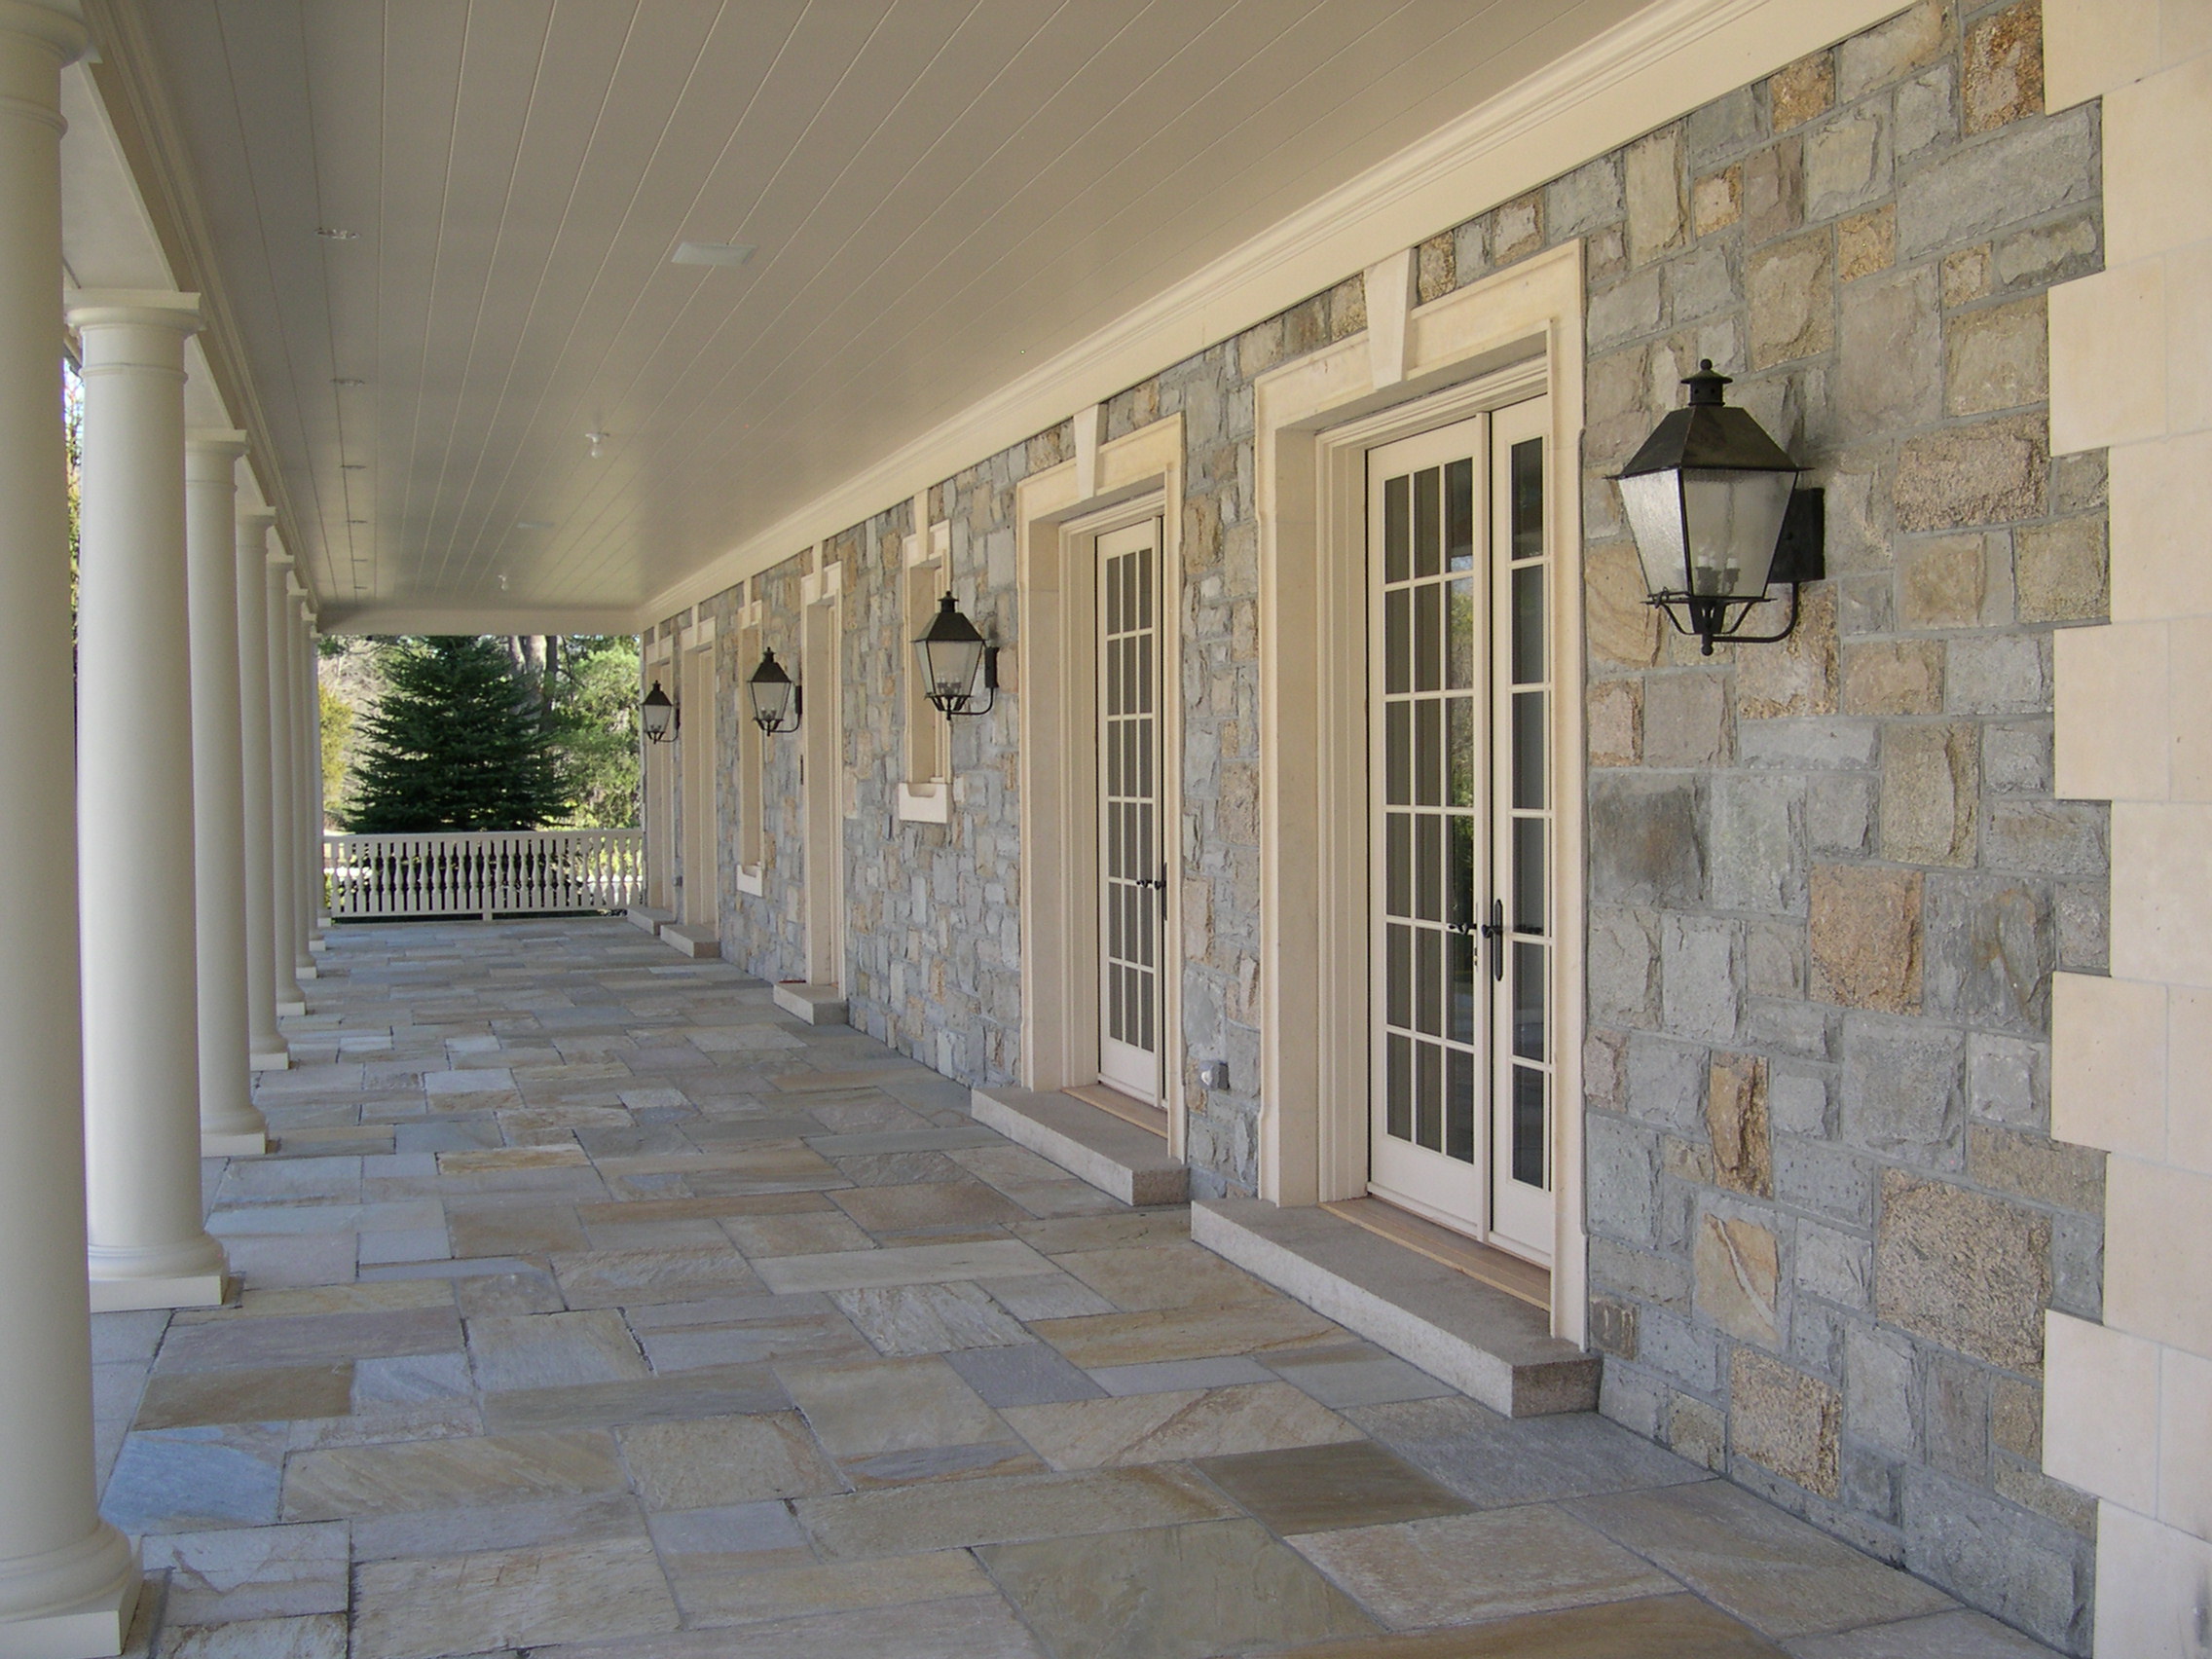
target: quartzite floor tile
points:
(964, 1203)
(1034, 1374)
(562, 1593)
(1941, 1635)
(908, 1264)
(251, 1573)
(1136, 1277)
(723, 1392)
(973, 1627)
(553, 1350)
(430, 1474)
(1462, 1568)
(718, 1461)
(317, 1636)
(525, 1525)
(1494, 1462)
(1161, 1428)
(913, 1519)
(1318, 1488)
(738, 1537)
(859, 1408)
(316, 1340)
(1184, 1333)
(1355, 1374)
(929, 1318)
(1768, 1569)
(1170, 1592)
(1658, 1627)
(189, 1398)
(180, 1480)
(611, 1278)
(797, 1591)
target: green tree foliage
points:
(458, 740)
(336, 732)
(590, 687)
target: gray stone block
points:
(1724, 127)
(1847, 160)
(2078, 1266)
(1926, 114)
(1824, 1179)
(1685, 1354)
(1623, 967)
(1752, 843)
(1889, 370)
(2016, 173)
(1988, 948)
(1808, 745)
(2015, 757)
(1629, 308)
(1623, 1179)
(1835, 1266)
(2003, 674)
(1839, 812)
(2049, 837)
(1647, 839)
(1880, 1388)
(1585, 198)
(1904, 1090)
(1666, 1082)
(2009, 1081)
(1698, 977)
(1797, 1101)
(2028, 1572)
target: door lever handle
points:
(1493, 929)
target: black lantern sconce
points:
(657, 714)
(775, 699)
(958, 664)
(1717, 517)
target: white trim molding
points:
(1513, 336)
(1664, 61)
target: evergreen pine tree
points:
(455, 741)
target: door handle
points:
(1159, 886)
(1493, 929)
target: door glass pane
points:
(1428, 751)
(1398, 1088)
(1396, 531)
(1398, 864)
(1463, 988)
(1428, 637)
(1397, 641)
(1459, 1107)
(1460, 911)
(1428, 1102)
(1460, 752)
(1398, 1005)
(1398, 754)
(1459, 646)
(1428, 981)
(1529, 906)
(1427, 528)
(1530, 962)
(1529, 749)
(1527, 487)
(1529, 625)
(1529, 1126)
(1428, 886)
(1460, 515)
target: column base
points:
(158, 1290)
(307, 970)
(298, 1005)
(97, 1628)
(318, 945)
(271, 1059)
(251, 1144)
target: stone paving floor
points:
(592, 1308)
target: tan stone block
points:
(1964, 1271)
(1738, 1268)
(1864, 938)
(1800, 90)
(2151, 205)
(1890, 50)
(2031, 1490)
(1737, 1124)
(2161, 892)
(2108, 357)
(2003, 66)
(1716, 200)
(2034, 1166)
(1996, 357)
(1994, 472)
(1867, 242)
(1436, 268)
(1792, 300)
(2015, 1418)
(1517, 228)
(2100, 1411)
(1942, 581)
(1783, 1420)
(2113, 735)
(2059, 570)
(2160, 502)
(1893, 677)
(2159, 1252)
(1774, 189)
(1653, 194)
(1616, 724)
(1930, 793)
(1798, 677)
(1623, 627)
(1966, 275)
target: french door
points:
(1133, 859)
(1461, 718)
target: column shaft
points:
(229, 1125)
(268, 1049)
(283, 801)
(304, 837)
(134, 814)
(69, 1580)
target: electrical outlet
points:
(1214, 1074)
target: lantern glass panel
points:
(949, 667)
(1733, 519)
(771, 700)
(1653, 503)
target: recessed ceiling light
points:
(711, 253)
(534, 524)
(353, 466)
(331, 232)
(347, 380)
(357, 521)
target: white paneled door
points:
(1132, 860)
(1460, 701)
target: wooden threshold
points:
(1523, 1280)
(1150, 1118)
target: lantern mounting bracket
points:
(1801, 556)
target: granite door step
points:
(646, 917)
(817, 1005)
(1150, 1118)
(1116, 1156)
(693, 939)
(1481, 1340)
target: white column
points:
(305, 832)
(319, 914)
(283, 810)
(266, 1047)
(229, 1125)
(135, 802)
(69, 1580)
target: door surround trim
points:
(822, 737)
(1510, 336)
(1059, 514)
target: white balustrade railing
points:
(484, 873)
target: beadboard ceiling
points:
(940, 192)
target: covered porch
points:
(593, 1303)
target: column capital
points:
(54, 24)
(280, 559)
(256, 520)
(141, 308)
(214, 440)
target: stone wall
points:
(1829, 881)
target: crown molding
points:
(388, 619)
(1664, 61)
